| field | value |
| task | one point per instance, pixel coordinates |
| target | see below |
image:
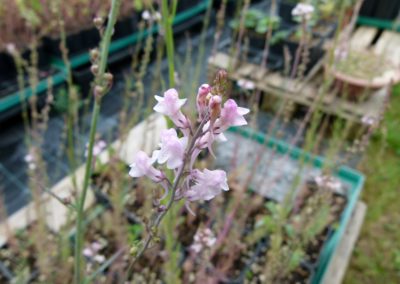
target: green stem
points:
(167, 20)
(112, 18)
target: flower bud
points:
(215, 108)
(94, 54)
(11, 49)
(98, 91)
(161, 208)
(98, 22)
(201, 99)
(109, 78)
(94, 69)
(67, 200)
(134, 250)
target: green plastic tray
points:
(352, 178)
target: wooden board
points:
(389, 45)
(341, 258)
(304, 93)
(362, 38)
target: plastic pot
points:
(75, 43)
(7, 67)
(285, 11)
(356, 89)
(187, 4)
(368, 7)
(125, 27)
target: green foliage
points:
(258, 21)
(30, 11)
(265, 23)
(279, 36)
(376, 257)
(295, 259)
(134, 233)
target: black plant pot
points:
(8, 70)
(184, 5)
(386, 9)
(91, 39)
(75, 43)
(125, 27)
(368, 7)
(82, 77)
(285, 11)
(7, 67)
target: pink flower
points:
(172, 149)
(170, 105)
(143, 166)
(208, 184)
(231, 115)
(201, 100)
(98, 147)
(303, 10)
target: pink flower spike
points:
(172, 149)
(143, 166)
(170, 105)
(208, 184)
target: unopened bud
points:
(67, 200)
(134, 250)
(109, 78)
(98, 91)
(98, 22)
(94, 69)
(161, 208)
(221, 76)
(94, 54)
(215, 107)
(11, 49)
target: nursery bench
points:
(305, 93)
(341, 258)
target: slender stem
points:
(93, 126)
(179, 175)
(167, 19)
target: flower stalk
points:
(179, 154)
(100, 83)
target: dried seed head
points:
(220, 82)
